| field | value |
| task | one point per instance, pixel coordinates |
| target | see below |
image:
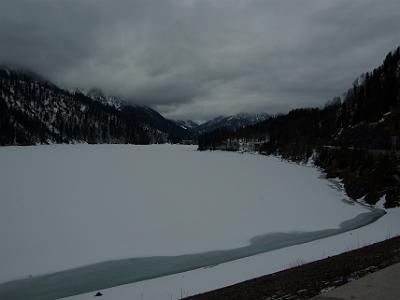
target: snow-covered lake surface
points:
(68, 206)
(207, 279)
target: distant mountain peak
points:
(232, 122)
(186, 124)
(98, 95)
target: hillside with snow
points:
(35, 111)
(233, 122)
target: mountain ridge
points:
(231, 122)
(36, 111)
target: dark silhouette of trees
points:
(351, 138)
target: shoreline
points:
(125, 271)
(309, 280)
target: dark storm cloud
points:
(201, 58)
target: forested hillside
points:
(35, 111)
(355, 137)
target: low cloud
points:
(202, 58)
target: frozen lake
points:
(172, 208)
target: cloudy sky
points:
(202, 58)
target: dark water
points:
(112, 273)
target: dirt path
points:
(383, 284)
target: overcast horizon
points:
(198, 59)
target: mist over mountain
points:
(35, 111)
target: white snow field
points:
(68, 206)
(207, 279)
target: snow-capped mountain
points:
(186, 124)
(35, 111)
(113, 101)
(140, 113)
(232, 122)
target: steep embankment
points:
(306, 281)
